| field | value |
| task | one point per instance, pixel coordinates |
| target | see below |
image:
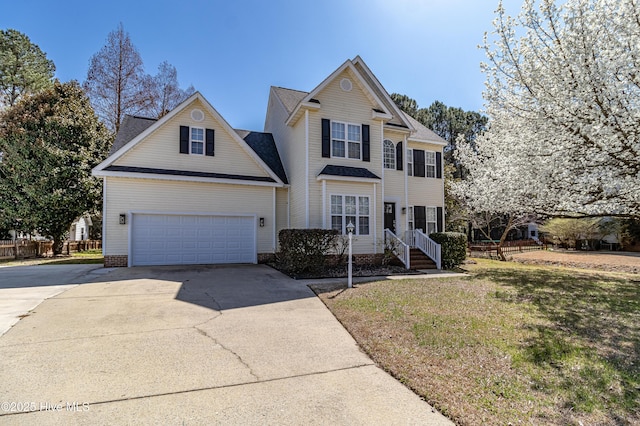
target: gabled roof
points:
(422, 133)
(264, 145)
(131, 127)
(290, 98)
(136, 129)
(294, 100)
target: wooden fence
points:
(490, 249)
(25, 249)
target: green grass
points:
(511, 343)
(76, 258)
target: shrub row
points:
(305, 250)
(453, 246)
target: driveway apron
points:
(194, 345)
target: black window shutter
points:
(439, 166)
(420, 217)
(418, 163)
(326, 138)
(440, 218)
(210, 146)
(399, 156)
(184, 139)
(366, 143)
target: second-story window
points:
(410, 162)
(346, 140)
(197, 140)
(430, 163)
(389, 150)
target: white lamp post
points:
(350, 229)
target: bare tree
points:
(165, 92)
(116, 82)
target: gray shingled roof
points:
(422, 132)
(147, 170)
(264, 145)
(130, 128)
(289, 97)
(345, 171)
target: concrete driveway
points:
(22, 288)
(191, 346)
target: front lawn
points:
(510, 344)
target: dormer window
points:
(197, 141)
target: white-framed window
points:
(410, 162)
(430, 164)
(347, 209)
(196, 143)
(389, 151)
(432, 220)
(412, 223)
(346, 140)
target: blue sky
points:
(233, 51)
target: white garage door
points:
(158, 239)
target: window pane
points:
(431, 214)
(336, 204)
(197, 134)
(411, 213)
(337, 130)
(430, 157)
(410, 162)
(431, 171)
(389, 155)
(350, 219)
(354, 150)
(197, 147)
(336, 223)
(431, 228)
(350, 205)
(354, 133)
(364, 205)
(338, 148)
(363, 228)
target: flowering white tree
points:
(563, 97)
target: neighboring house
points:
(80, 229)
(188, 188)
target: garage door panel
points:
(192, 239)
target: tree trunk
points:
(503, 238)
(58, 244)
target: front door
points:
(390, 217)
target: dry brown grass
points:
(510, 344)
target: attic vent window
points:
(197, 115)
(345, 84)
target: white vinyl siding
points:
(161, 148)
(126, 195)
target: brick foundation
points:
(116, 261)
(266, 257)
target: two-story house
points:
(190, 189)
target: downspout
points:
(406, 186)
(275, 221)
(375, 239)
(324, 204)
(104, 214)
(306, 157)
(289, 207)
(375, 220)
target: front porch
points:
(416, 250)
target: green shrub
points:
(305, 250)
(453, 246)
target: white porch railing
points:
(417, 238)
(398, 247)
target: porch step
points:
(419, 260)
